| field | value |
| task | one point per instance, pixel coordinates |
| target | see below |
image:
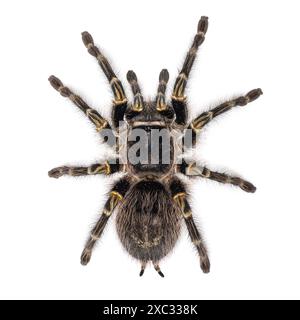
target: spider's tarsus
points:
(142, 272)
(205, 269)
(203, 24)
(55, 82)
(131, 76)
(249, 97)
(205, 265)
(248, 187)
(88, 41)
(85, 257)
(87, 38)
(164, 75)
(59, 86)
(254, 94)
(57, 172)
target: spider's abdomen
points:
(148, 223)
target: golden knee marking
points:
(194, 128)
(118, 91)
(99, 122)
(187, 215)
(138, 102)
(106, 212)
(102, 126)
(107, 166)
(102, 168)
(161, 103)
(117, 195)
(190, 168)
(194, 170)
(179, 195)
(180, 99)
(118, 102)
(115, 198)
(179, 198)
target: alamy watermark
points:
(149, 145)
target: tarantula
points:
(151, 197)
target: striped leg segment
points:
(198, 171)
(97, 168)
(161, 104)
(178, 96)
(92, 114)
(198, 123)
(138, 102)
(120, 100)
(180, 197)
(116, 195)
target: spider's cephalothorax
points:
(151, 197)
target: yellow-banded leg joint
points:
(95, 117)
(180, 199)
(161, 102)
(178, 92)
(118, 91)
(138, 103)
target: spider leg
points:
(178, 97)
(116, 195)
(204, 118)
(92, 114)
(180, 198)
(161, 104)
(97, 168)
(138, 102)
(120, 100)
(192, 170)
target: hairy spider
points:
(151, 197)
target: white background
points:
(253, 239)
